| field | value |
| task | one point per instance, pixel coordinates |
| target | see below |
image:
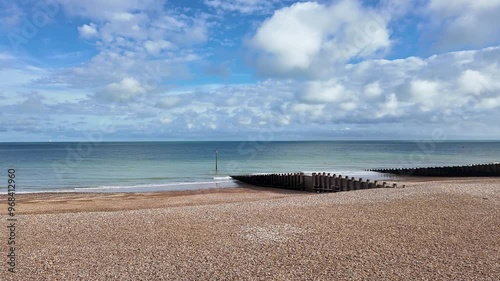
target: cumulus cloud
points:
(425, 93)
(155, 47)
(325, 91)
(453, 100)
(473, 81)
(88, 31)
(132, 41)
(411, 89)
(168, 102)
(372, 90)
(391, 107)
(307, 36)
(323, 68)
(465, 24)
(129, 24)
(125, 90)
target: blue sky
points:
(249, 70)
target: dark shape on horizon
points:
(481, 170)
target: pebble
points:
(428, 231)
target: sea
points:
(162, 166)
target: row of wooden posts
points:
(333, 183)
(482, 170)
(288, 181)
(318, 182)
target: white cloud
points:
(168, 102)
(458, 6)
(389, 108)
(88, 31)
(490, 103)
(325, 91)
(417, 91)
(134, 39)
(293, 34)
(195, 33)
(241, 6)
(309, 110)
(166, 120)
(121, 16)
(132, 28)
(426, 93)
(126, 90)
(107, 10)
(372, 90)
(475, 82)
(307, 36)
(157, 31)
(155, 47)
(133, 23)
(409, 88)
(463, 24)
(10, 14)
(323, 57)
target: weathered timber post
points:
(308, 183)
(369, 184)
(357, 184)
(354, 183)
(364, 184)
(343, 183)
(496, 169)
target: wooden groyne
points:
(481, 170)
(287, 181)
(317, 182)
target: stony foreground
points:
(438, 230)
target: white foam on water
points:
(157, 186)
(46, 191)
(170, 186)
(149, 185)
(222, 178)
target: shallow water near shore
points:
(161, 166)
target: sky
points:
(256, 70)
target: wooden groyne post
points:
(317, 182)
(482, 170)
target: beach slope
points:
(438, 230)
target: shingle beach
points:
(430, 230)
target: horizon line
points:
(265, 141)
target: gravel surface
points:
(436, 230)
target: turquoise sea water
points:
(153, 166)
